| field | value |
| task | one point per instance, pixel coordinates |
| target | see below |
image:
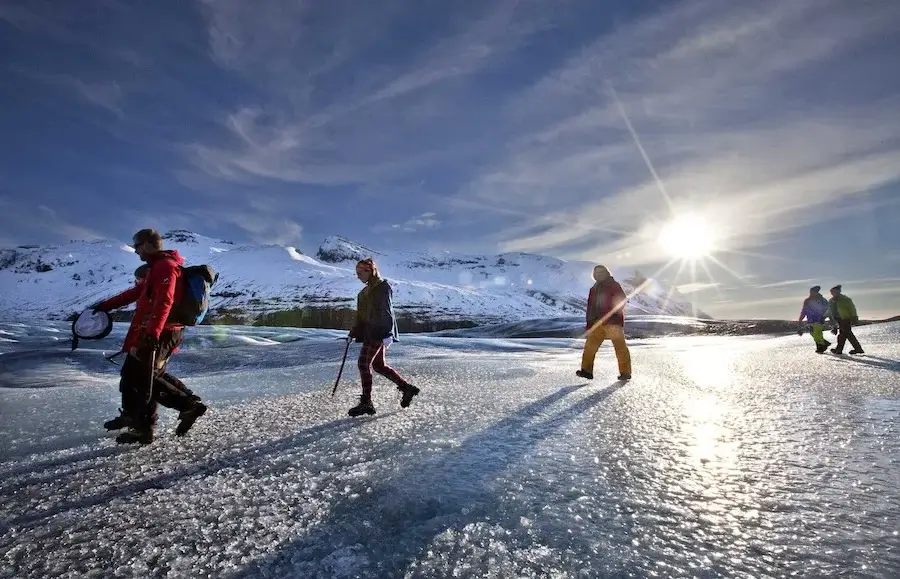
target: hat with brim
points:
(92, 325)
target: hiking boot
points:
(119, 422)
(820, 348)
(856, 352)
(583, 374)
(186, 418)
(836, 351)
(134, 435)
(409, 392)
(364, 407)
(624, 377)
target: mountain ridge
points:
(279, 285)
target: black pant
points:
(137, 399)
(845, 333)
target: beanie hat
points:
(836, 288)
(815, 288)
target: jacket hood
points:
(601, 274)
(168, 254)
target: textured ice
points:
(732, 457)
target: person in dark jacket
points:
(605, 320)
(843, 314)
(149, 343)
(815, 311)
(376, 329)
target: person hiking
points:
(605, 320)
(376, 329)
(149, 344)
(843, 314)
(815, 310)
(163, 386)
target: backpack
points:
(194, 303)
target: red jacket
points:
(154, 296)
(607, 305)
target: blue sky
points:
(480, 126)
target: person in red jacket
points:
(149, 344)
(605, 320)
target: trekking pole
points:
(341, 371)
(152, 374)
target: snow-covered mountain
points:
(276, 285)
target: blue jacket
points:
(815, 309)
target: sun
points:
(688, 237)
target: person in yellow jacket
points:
(843, 313)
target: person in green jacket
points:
(843, 314)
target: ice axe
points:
(341, 371)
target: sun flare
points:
(687, 237)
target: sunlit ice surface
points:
(732, 457)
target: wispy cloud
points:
(424, 221)
(689, 288)
(785, 283)
(39, 218)
(107, 95)
(324, 119)
(711, 89)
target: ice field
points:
(723, 457)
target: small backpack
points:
(194, 303)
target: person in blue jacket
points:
(815, 309)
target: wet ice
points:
(723, 457)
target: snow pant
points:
(595, 338)
(138, 401)
(371, 357)
(816, 331)
(845, 333)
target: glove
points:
(800, 332)
(387, 341)
(149, 342)
(834, 329)
(854, 321)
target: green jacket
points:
(841, 307)
(375, 319)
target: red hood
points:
(168, 254)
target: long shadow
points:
(248, 456)
(883, 363)
(399, 517)
(870, 357)
(63, 461)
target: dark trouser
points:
(371, 357)
(168, 390)
(845, 333)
